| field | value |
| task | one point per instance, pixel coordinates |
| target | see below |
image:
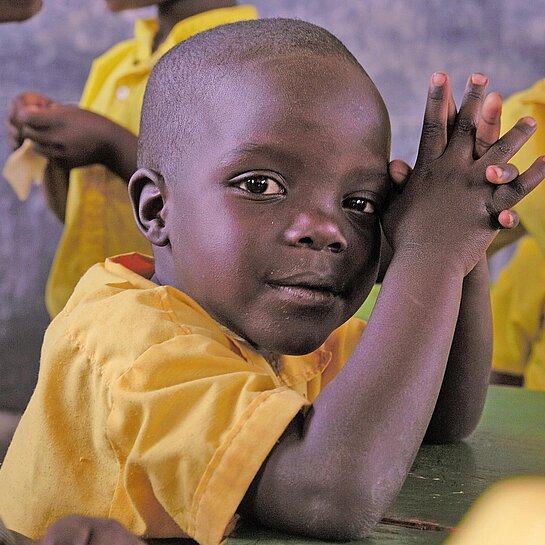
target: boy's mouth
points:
(307, 287)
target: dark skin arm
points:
(349, 456)
(80, 530)
(70, 137)
(462, 394)
(505, 379)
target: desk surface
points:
(446, 479)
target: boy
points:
(227, 376)
(100, 136)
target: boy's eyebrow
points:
(269, 150)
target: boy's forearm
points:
(357, 444)
(120, 152)
(464, 387)
(55, 188)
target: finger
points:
(14, 136)
(501, 174)
(399, 173)
(465, 127)
(40, 118)
(508, 219)
(71, 530)
(488, 129)
(50, 152)
(451, 114)
(507, 195)
(434, 129)
(511, 141)
(42, 137)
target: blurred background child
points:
(92, 149)
(518, 295)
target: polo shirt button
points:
(122, 92)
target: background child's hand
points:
(446, 210)
(22, 103)
(70, 135)
(79, 530)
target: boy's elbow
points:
(345, 517)
(338, 514)
(450, 434)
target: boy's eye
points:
(261, 184)
(359, 204)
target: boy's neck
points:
(172, 12)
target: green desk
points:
(446, 479)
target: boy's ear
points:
(147, 192)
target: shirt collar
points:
(291, 370)
(145, 29)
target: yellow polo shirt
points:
(518, 295)
(149, 411)
(99, 220)
(530, 102)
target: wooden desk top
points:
(446, 479)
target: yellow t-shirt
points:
(529, 102)
(99, 220)
(518, 296)
(149, 411)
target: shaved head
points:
(190, 76)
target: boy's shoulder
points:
(116, 313)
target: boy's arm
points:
(75, 137)
(337, 470)
(463, 391)
(55, 188)
(69, 137)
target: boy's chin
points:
(296, 347)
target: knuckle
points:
(466, 125)
(432, 128)
(505, 148)
(524, 129)
(518, 188)
(474, 94)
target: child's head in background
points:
(263, 169)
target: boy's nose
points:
(317, 232)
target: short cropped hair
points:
(193, 68)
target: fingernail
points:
(498, 172)
(439, 78)
(479, 79)
(511, 220)
(530, 121)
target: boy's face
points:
(273, 213)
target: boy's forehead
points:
(308, 89)
(294, 79)
(289, 112)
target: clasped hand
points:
(462, 186)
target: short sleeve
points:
(191, 424)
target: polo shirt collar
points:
(145, 29)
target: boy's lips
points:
(307, 286)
